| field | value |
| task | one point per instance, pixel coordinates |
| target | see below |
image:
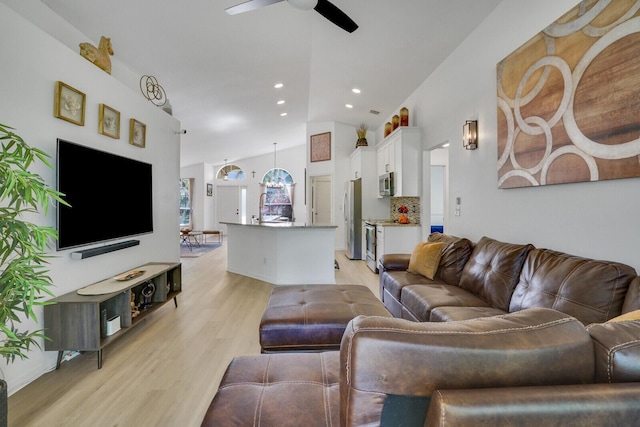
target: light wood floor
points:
(165, 372)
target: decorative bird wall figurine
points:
(100, 55)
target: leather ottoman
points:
(286, 389)
(314, 317)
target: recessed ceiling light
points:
(281, 102)
(348, 105)
(355, 90)
(445, 145)
(283, 114)
(278, 85)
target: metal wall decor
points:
(152, 90)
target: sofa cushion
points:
(492, 271)
(455, 255)
(425, 259)
(617, 351)
(591, 291)
(286, 389)
(419, 300)
(450, 314)
(392, 282)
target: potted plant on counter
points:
(23, 276)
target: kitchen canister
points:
(404, 116)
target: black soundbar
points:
(88, 253)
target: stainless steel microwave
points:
(385, 184)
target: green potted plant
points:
(23, 276)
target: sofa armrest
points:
(617, 350)
(578, 405)
(385, 356)
(395, 261)
(632, 297)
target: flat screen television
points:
(110, 196)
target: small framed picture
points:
(137, 133)
(209, 189)
(109, 121)
(321, 147)
(69, 104)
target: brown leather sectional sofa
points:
(525, 358)
(492, 278)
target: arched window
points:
(230, 172)
(278, 205)
(277, 177)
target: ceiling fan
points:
(323, 7)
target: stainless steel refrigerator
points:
(353, 218)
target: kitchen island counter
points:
(280, 224)
(282, 253)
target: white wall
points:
(343, 142)
(595, 219)
(32, 62)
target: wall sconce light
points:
(470, 135)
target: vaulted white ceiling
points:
(219, 70)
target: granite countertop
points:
(389, 223)
(280, 224)
(397, 224)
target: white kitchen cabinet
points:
(386, 158)
(396, 239)
(401, 153)
(361, 163)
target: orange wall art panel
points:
(569, 99)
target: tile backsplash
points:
(413, 209)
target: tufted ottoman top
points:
(314, 317)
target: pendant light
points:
(275, 177)
(224, 171)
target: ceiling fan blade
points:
(335, 15)
(249, 5)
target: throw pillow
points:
(632, 315)
(425, 259)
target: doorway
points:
(231, 205)
(321, 200)
(439, 187)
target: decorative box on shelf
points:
(113, 325)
